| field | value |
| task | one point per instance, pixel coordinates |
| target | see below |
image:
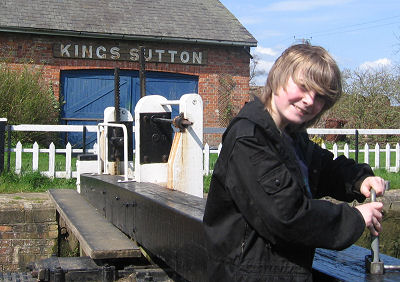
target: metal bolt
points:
(155, 138)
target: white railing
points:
(68, 151)
(391, 153)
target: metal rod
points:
(375, 239)
(84, 139)
(392, 267)
(116, 95)
(158, 119)
(142, 72)
(179, 121)
(356, 145)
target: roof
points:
(202, 21)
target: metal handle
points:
(374, 239)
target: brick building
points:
(189, 46)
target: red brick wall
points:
(28, 230)
(232, 61)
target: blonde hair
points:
(309, 66)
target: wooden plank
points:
(98, 238)
(349, 265)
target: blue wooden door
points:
(171, 86)
(86, 93)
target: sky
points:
(357, 33)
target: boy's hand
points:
(372, 214)
(375, 182)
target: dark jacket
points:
(260, 223)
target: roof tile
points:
(185, 19)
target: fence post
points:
(377, 156)
(3, 122)
(68, 162)
(346, 150)
(206, 168)
(18, 158)
(335, 150)
(356, 145)
(8, 147)
(397, 164)
(52, 160)
(366, 153)
(35, 157)
(387, 155)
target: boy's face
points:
(294, 104)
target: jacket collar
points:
(256, 113)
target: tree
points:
(370, 99)
(254, 69)
(25, 97)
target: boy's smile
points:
(294, 104)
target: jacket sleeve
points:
(339, 178)
(273, 203)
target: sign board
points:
(125, 52)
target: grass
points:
(382, 154)
(43, 161)
(32, 182)
(393, 177)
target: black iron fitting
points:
(179, 121)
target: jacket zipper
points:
(243, 242)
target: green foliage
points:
(370, 99)
(317, 140)
(27, 99)
(206, 183)
(207, 178)
(225, 93)
(32, 182)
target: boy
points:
(263, 217)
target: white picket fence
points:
(51, 151)
(390, 152)
(67, 172)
